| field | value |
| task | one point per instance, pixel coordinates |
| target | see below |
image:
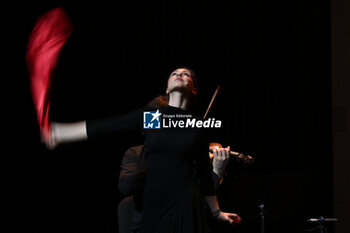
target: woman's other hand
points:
(220, 160)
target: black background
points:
(271, 58)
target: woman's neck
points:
(179, 100)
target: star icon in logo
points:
(156, 115)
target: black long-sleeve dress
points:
(171, 201)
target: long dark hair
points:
(159, 101)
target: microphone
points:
(322, 219)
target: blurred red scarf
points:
(45, 43)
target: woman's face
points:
(181, 80)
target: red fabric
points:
(45, 43)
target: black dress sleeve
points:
(117, 124)
(204, 168)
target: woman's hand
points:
(48, 137)
(231, 218)
(60, 133)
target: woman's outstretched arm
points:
(61, 133)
